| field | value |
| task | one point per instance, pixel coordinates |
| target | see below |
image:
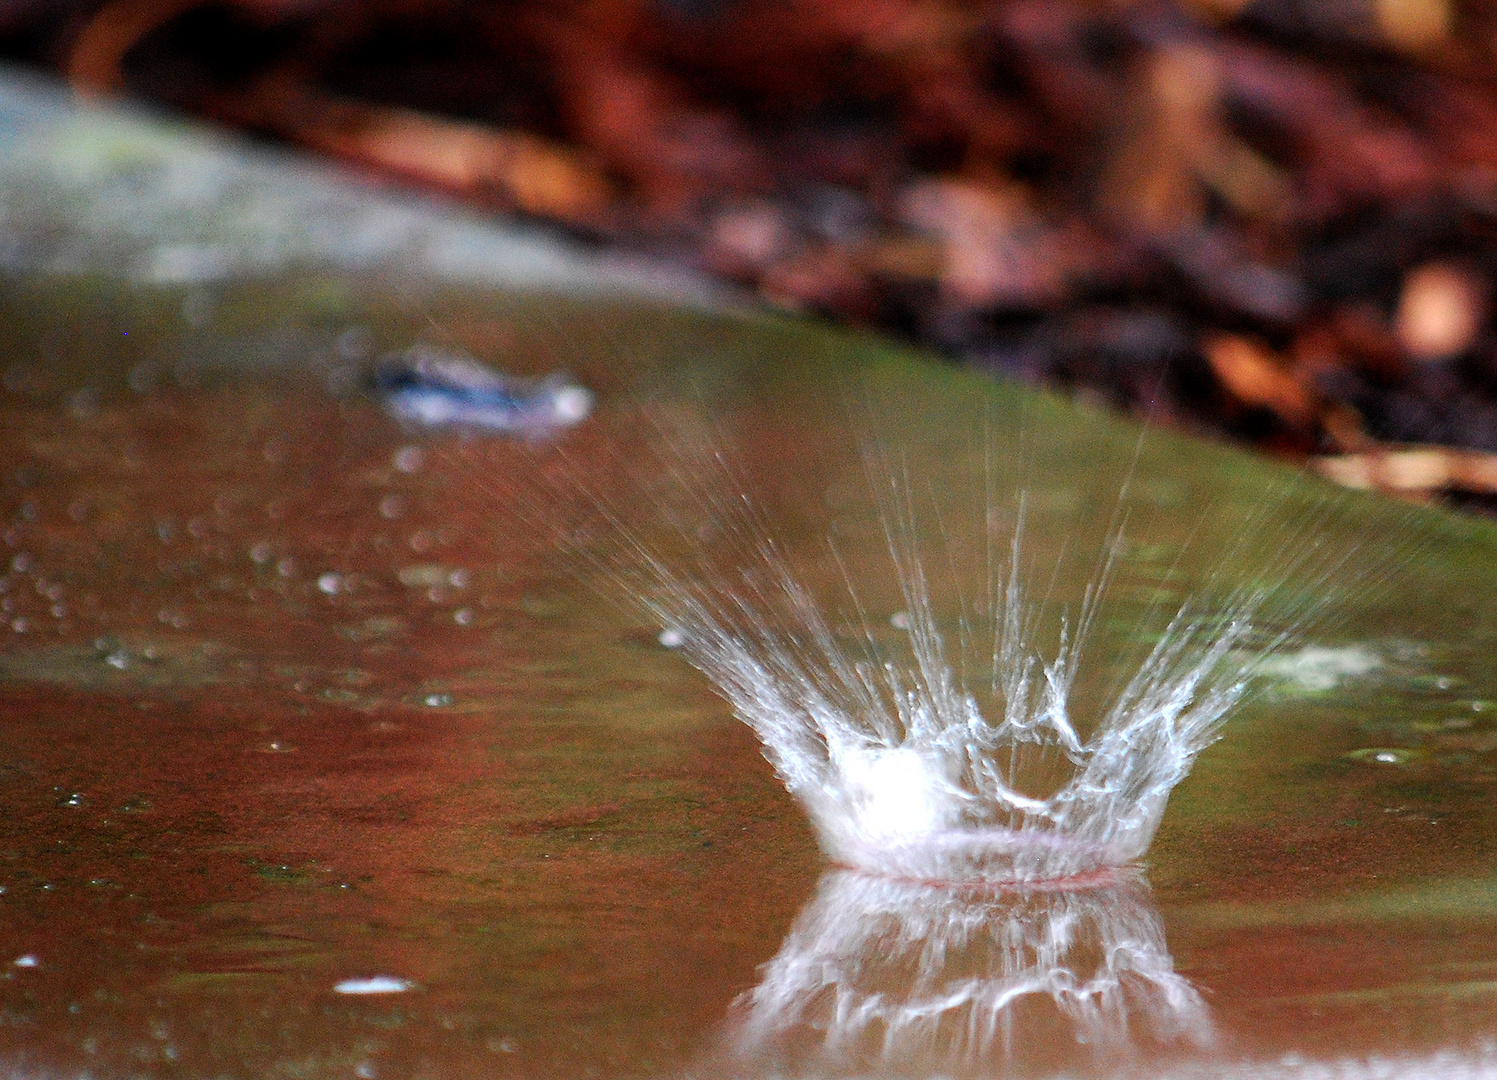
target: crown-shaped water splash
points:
(954, 753)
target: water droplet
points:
(378, 984)
(21, 563)
(391, 506)
(421, 575)
(900, 620)
(260, 554)
(458, 579)
(21, 625)
(1384, 755)
(672, 638)
(286, 567)
(420, 542)
(77, 798)
(364, 1070)
(27, 961)
(409, 459)
(330, 583)
(119, 660)
(462, 616)
(437, 701)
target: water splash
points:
(881, 976)
(960, 752)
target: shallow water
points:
(295, 698)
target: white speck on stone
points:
(330, 583)
(672, 638)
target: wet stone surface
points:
(328, 749)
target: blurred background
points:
(1268, 220)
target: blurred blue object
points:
(431, 387)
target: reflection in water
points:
(881, 975)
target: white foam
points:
(1321, 667)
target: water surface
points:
(296, 697)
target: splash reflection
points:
(883, 976)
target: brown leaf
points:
(998, 251)
(1254, 376)
(532, 174)
(1413, 470)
